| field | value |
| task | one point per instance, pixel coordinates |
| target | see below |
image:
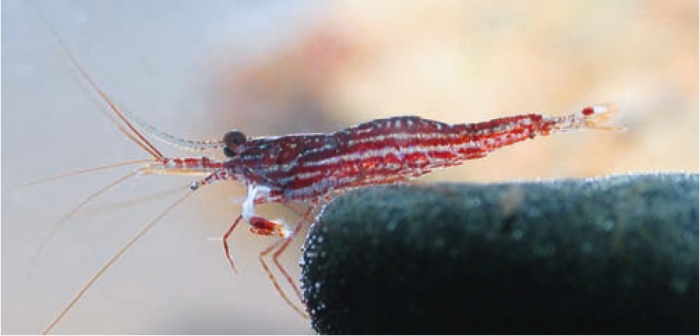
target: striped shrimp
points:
(309, 167)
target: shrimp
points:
(307, 167)
(310, 167)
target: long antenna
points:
(133, 134)
(186, 144)
(113, 260)
(70, 214)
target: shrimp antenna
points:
(182, 143)
(125, 126)
(75, 210)
(113, 260)
(81, 172)
(127, 117)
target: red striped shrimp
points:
(308, 168)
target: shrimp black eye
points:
(234, 141)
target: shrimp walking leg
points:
(279, 247)
(225, 239)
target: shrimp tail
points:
(597, 116)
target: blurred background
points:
(267, 68)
